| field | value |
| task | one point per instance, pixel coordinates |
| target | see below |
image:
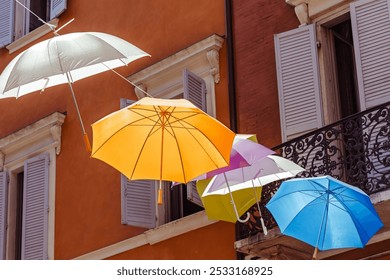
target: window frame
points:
(323, 16)
(21, 16)
(39, 138)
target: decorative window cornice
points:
(33, 139)
(204, 55)
(308, 10)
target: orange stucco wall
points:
(87, 213)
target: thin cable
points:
(52, 27)
(127, 80)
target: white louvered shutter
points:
(138, 202)
(371, 33)
(192, 193)
(298, 81)
(194, 89)
(35, 208)
(138, 198)
(3, 212)
(57, 7)
(6, 22)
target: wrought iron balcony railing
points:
(355, 150)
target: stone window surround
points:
(43, 136)
(308, 11)
(164, 79)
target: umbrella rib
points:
(354, 219)
(152, 131)
(180, 121)
(324, 218)
(177, 143)
(142, 148)
(300, 211)
(129, 124)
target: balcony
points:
(355, 150)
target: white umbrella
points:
(261, 172)
(65, 59)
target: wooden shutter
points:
(192, 193)
(124, 102)
(35, 208)
(138, 202)
(138, 198)
(371, 33)
(3, 212)
(298, 81)
(6, 22)
(57, 7)
(194, 89)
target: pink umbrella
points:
(244, 153)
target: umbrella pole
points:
(86, 139)
(315, 254)
(265, 231)
(234, 205)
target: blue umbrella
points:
(325, 213)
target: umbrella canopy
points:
(162, 139)
(325, 213)
(65, 59)
(245, 151)
(219, 207)
(262, 171)
(71, 56)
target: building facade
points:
(80, 205)
(308, 78)
(322, 67)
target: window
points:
(16, 21)
(139, 207)
(334, 67)
(27, 188)
(189, 74)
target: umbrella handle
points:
(248, 215)
(87, 143)
(159, 200)
(265, 231)
(160, 194)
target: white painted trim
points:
(316, 8)
(164, 79)
(153, 236)
(380, 196)
(32, 36)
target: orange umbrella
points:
(162, 139)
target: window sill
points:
(152, 236)
(32, 36)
